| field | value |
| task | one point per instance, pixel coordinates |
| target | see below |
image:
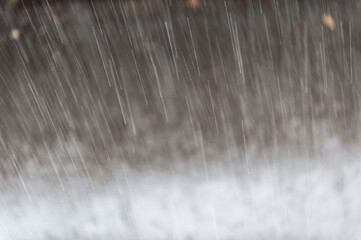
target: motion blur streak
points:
(165, 119)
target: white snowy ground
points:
(301, 199)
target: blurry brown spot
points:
(15, 34)
(23, 18)
(193, 3)
(2, 38)
(328, 21)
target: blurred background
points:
(172, 119)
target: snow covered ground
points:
(277, 201)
